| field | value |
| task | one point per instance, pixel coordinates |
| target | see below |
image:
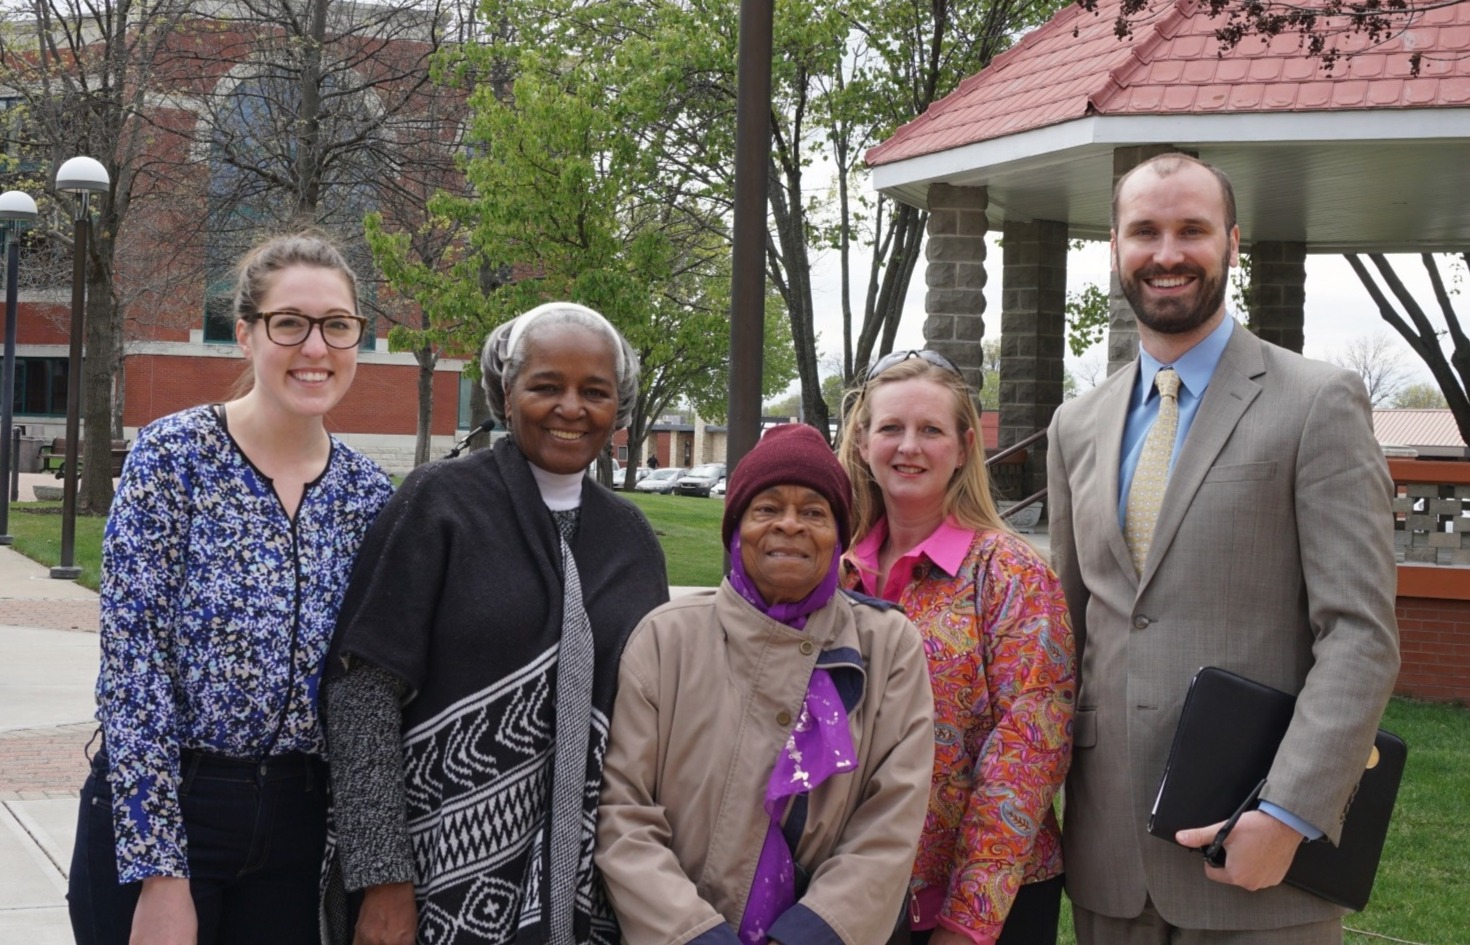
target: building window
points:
(219, 316)
(251, 153)
(40, 387)
(466, 395)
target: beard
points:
(1176, 316)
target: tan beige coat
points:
(706, 694)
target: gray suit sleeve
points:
(364, 725)
(1061, 537)
(1345, 530)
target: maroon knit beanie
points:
(792, 454)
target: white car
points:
(660, 480)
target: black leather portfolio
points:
(1226, 739)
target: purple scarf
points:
(820, 745)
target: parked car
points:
(617, 476)
(661, 480)
(641, 473)
(700, 480)
(718, 488)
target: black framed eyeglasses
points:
(898, 357)
(289, 329)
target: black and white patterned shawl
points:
(458, 593)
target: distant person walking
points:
(225, 558)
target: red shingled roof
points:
(1172, 64)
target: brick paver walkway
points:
(44, 762)
(49, 614)
(51, 761)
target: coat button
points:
(783, 718)
(1140, 622)
(807, 648)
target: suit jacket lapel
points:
(1231, 391)
(1112, 415)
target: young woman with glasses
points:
(229, 545)
(998, 639)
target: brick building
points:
(221, 81)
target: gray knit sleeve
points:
(364, 742)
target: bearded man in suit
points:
(1253, 533)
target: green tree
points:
(844, 76)
(1421, 395)
(572, 199)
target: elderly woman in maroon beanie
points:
(772, 739)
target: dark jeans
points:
(1032, 919)
(255, 833)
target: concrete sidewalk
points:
(48, 665)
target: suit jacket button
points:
(783, 718)
(1140, 622)
(807, 648)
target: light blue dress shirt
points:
(1195, 368)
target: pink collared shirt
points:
(946, 547)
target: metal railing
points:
(1009, 451)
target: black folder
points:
(1228, 733)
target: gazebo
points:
(1364, 158)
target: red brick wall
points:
(1434, 639)
(383, 398)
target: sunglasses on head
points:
(898, 357)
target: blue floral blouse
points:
(217, 609)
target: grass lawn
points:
(689, 530)
(36, 528)
(1422, 894)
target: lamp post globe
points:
(17, 205)
(82, 176)
(17, 209)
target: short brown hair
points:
(1165, 164)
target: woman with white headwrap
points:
(475, 663)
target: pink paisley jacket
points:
(1003, 668)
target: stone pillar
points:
(954, 271)
(1123, 326)
(1033, 328)
(1278, 292)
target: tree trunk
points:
(94, 492)
(426, 359)
(479, 413)
(637, 433)
(796, 291)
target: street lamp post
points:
(82, 176)
(16, 210)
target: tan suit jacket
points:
(1273, 557)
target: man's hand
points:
(1258, 851)
(165, 913)
(389, 916)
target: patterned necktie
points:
(573, 724)
(1152, 474)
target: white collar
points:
(560, 491)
